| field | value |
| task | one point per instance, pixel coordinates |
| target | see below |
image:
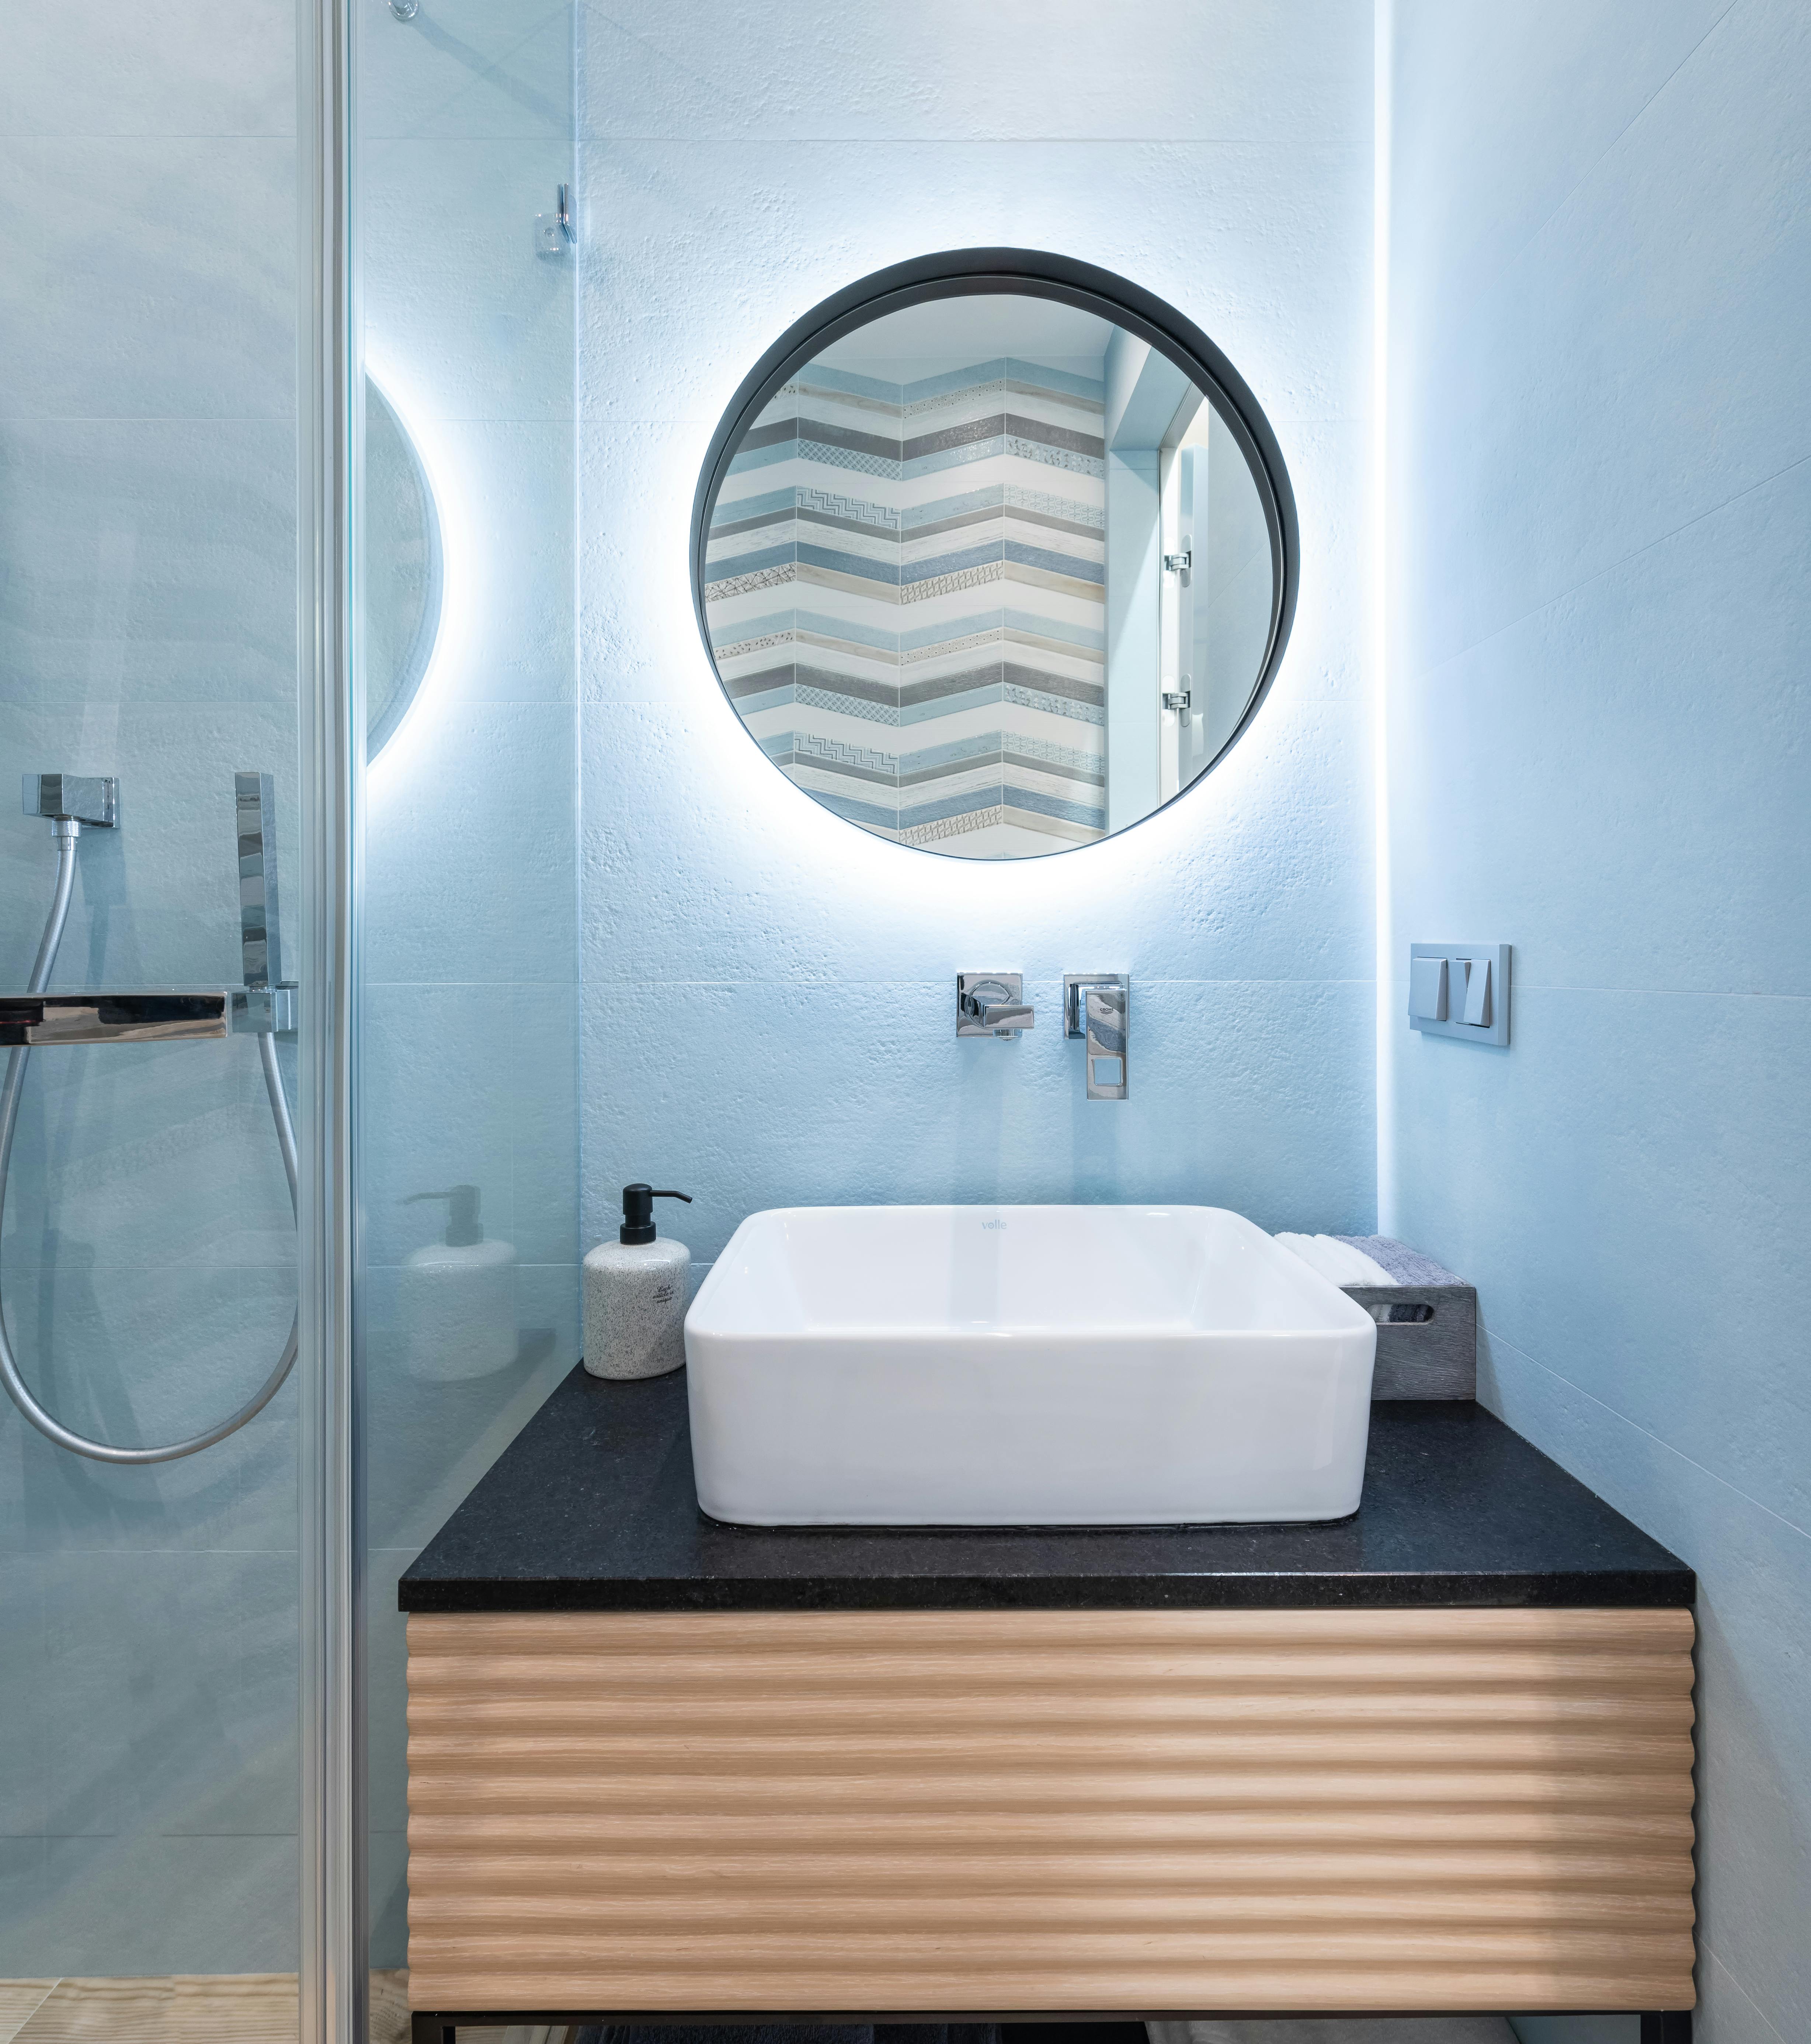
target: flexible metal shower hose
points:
(47, 1422)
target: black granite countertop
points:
(592, 1508)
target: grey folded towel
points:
(1406, 1266)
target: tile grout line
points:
(8, 2035)
(1722, 1482)
(1760, 2013)
(1615, 140)
(1621, 562)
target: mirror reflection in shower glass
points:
(402, 570)
(991, 576)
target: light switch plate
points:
(1467, 991)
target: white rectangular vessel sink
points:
(1060, 1365)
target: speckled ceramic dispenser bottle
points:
(635, 1294)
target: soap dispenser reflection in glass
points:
(458, 1297)
(635, 1294)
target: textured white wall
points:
(1601, 752)
(769, 992)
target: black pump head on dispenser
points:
(638, 1212)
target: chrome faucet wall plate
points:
(991, 1004)
(1097, 1006)
(75, 798)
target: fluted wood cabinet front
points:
(1102, 1811)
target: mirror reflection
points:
(401, 588)
(990, 576)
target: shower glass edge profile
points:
(333, 1984)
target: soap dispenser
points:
(458, 1297)
(635, 1294)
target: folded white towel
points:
(1336, 1260)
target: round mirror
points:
(995, 555)
(402, 570)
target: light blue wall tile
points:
(502, 1076)
(471, 851)
(1622, 771)
(430, 1440)
(52, 1501)
(504, 492)
(1250, 1094)
(1724, 2012)
(24, 1882)
(671, 339)
(387, 1675)
(149, 1155)
(27, 1791)
(1618, 1211)
(1222, 70)
(149, 278)
(450, 253)
(1598, 753)
(388, 1878)
(160, 67)
(140, 1676)
(148, 560)
(1560, 458)
(1577, 2029)
(468, 70)
(224, 1905)
(1261, 869)
(1482, 172)
(142, 1354)
(1754, 1738)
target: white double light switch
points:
(1460, 991)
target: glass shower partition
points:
(149, 880)
(465, 644)
(234, 627)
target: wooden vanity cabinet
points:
(1143, 1811)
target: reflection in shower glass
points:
(470, 1029)
(402, 577)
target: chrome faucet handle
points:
(991, 1004)
(1097, 1006)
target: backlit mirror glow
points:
(402, 570)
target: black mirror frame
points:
(960, 272)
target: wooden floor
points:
(195, 2008)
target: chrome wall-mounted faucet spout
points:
(1097, 1007)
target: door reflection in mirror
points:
(990, 575)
